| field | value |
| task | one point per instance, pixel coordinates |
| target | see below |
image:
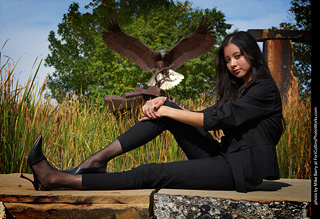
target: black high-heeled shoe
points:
(35, 157)
(89, 170)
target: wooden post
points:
(279, 56)
(278, 52)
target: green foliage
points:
(301, 11)
(85, 66)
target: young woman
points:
(248, 110)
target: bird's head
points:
(163, 53)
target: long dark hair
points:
(228, 87)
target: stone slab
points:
(180, 206)
(285, 198)
(298, 190)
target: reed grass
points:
(294, 148)
(17, 113)
(73, 130)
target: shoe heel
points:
(35, 185)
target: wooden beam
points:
(262, 35)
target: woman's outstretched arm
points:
(185, 116)
(155, 109)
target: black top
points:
(252, 126)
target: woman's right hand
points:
(150, 108)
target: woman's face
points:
(237, 64)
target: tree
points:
(71, 55)
(301, 11)
(85, 66)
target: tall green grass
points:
(294, 148)
(74, 130)
(17, 125)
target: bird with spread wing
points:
(162, 62)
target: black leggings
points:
(206, 168)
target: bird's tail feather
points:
(166, 82)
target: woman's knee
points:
(173, 105)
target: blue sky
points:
(27, 23)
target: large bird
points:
(162, 62)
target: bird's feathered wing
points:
(130, 46)
(187, 48)
(197, 44)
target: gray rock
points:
(179, 206)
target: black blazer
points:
(252, 126)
